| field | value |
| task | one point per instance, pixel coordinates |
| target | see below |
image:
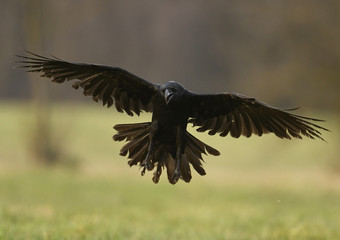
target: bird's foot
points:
(147, 165)
(176, 176)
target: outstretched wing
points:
(240, 115)
(108, 84)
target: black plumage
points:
(164, 142)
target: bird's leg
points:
(146, 164)
(179, 151)
(177, 172)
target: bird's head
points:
(172, 91)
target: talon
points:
(143, 171)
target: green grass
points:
(259, 188)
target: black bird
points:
(164, 142)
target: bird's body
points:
(169, 143)
(164, 142)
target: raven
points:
(164, 142)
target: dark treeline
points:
(283, 52)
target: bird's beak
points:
(167, 95)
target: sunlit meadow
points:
(259, 188)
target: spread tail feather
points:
(137, 135)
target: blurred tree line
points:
(286, 53)
(283, 52)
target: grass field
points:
(259, 188)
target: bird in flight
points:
(164, 143)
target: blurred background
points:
(56, 144)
